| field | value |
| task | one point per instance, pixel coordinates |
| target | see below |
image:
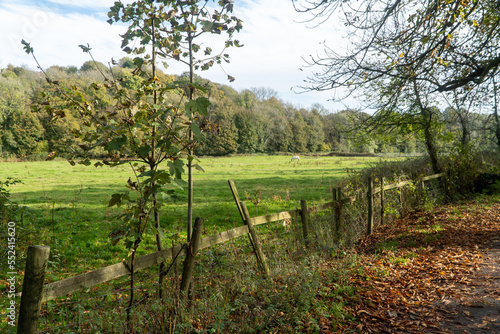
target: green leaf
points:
(138, 61)
(118, 199)
(27, 47)
(206, 26)
(179, 183)
(162, 177)
(85, 162)
(143, 151)
(196, 130)
(198, 167)
(115, 144)
(129, 244)
(176, 168)
(200, 106)
(85, 48)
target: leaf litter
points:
(432, 271)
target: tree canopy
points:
(407, 57)
(445, 44)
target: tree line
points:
(254, 120)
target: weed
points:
(433, 238)
(388, 246)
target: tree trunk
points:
(465, 139)
(429, 140)
(426, 117)
(495, 115)
(191, 148)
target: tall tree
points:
(247, 134)
(175, 29)
(316, 132)
(281, 135)
(21, 131)
(300, 129)
(405, 51)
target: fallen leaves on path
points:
(430, 272)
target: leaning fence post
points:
(31, 298)
(261, 258)
(236, 198)
(189, 261)
(305, 221)
(370, 206)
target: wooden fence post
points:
(261, 258)
(338, 209)
(31, 299)
(422, 191)
(237, 199)
(382, 198)
(191, 252)
(370, 206)
(305, 221)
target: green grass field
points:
(65, 207)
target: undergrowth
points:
(305, 292)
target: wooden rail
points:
(373, 191)
(102, 275)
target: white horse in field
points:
(295, 158)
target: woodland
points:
(250, 121)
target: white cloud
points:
(54, 36)
(274, 42)
(85, 3)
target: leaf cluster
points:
(172, 28)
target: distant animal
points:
(295, 157)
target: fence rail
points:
(87, 280)
(102, 275)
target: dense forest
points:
(249, 121)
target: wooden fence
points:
(382, 189)
(36, 293)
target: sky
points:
(276, 41)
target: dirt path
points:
(477, 309)
(431, 272)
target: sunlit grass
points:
(65, 206)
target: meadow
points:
(65, 206)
